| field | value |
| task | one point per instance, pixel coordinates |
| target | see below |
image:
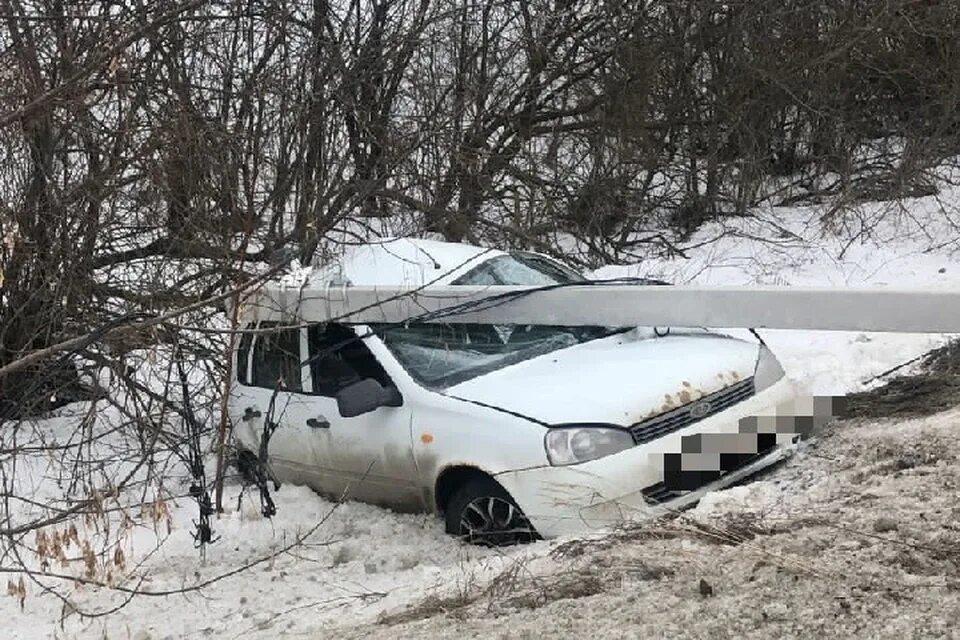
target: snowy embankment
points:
(857, 536)
(850, 533)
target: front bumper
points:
(604, 492)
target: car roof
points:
(412, 262)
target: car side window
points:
(338, 357)
(276, 359)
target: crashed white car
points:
(510, 432)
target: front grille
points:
(681, 417)
(658, 494)
(683, 482)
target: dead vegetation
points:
(591, 567)
(934, 388)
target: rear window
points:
(276, 359)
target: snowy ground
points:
(849, 537)
(857, 536)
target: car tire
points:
(482, 512)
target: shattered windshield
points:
(442, 355)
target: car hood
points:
(621, 379)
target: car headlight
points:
(768, 369)
(574, 444)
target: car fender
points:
(448, 432)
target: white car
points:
(510, 432)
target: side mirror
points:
(364, 396)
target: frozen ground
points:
(854, 536)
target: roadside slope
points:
(857, 535)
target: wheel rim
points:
(494, 521)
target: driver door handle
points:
(318, 423)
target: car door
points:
(271, 399)
(367, 457)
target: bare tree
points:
(158, 157)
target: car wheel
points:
(482, 512)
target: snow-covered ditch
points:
(849, 535)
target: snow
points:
(356, 563)
(900, 250)
(295, 276)
(743, 498)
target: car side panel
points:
(449, 433)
